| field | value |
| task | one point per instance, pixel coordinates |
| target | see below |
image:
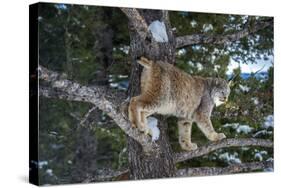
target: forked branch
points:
(137, 21)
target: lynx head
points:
(220, 91)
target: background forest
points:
(91, 45)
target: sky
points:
(248, 68)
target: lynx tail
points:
(145, 62)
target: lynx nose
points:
(225, 99)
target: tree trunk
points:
(159, 164)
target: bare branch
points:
(106, 100)
(236, 168)
(220, 39)
(84, 119)
(137, 20)
(232, 142)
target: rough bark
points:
(232, 142)
(161, 163)
(137, 22)
(188, 40)
(232, 169)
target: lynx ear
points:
(230, 83)
(145, 62)
(231, 80)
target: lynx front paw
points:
(133, 125)
(217, 136)
(188, 147)
(221, 136)
(143, 128)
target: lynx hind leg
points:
(184, 128)
(205, 125)
(144, 115)
(136, 115)
(132, 112)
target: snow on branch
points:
(137, 20)
(231, 142)
(235, 168)
(220, 39)
(105, 99)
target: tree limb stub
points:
(137, 21)
(231, 142)
(232, 169)
(105, 100)
(188, 40)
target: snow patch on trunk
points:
(153, 129)
(158, 30)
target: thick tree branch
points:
(106, 100)
(220, 39)
(232, 142)
(236, 168)
(137, 21)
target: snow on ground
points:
(230, 158)
(125, 49)
(122, 76)
(153, 129)
(207, 27)
(255, 100)
(121, 85)
(113, 85)
(232, 125)
(269, 122)
(199, 66)
(260, 154)
(181, 52)
(49, 172)
(246, 129)
(244, 88)
(217, 67)
(41, 164)
(57, 146)
(270, 159)
(193, 23)
(158, 30)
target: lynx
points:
(167, 90)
